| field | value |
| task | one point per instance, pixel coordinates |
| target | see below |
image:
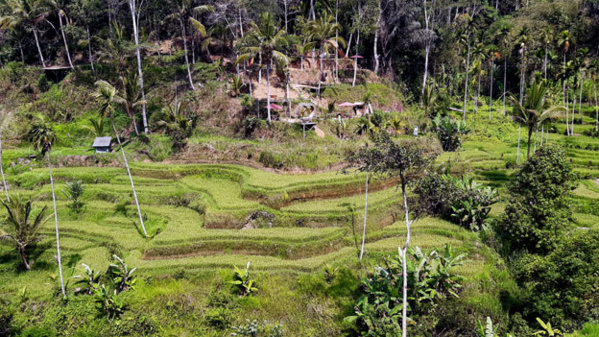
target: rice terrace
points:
(269, 168)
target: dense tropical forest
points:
(299, 168)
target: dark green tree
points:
(538, 209)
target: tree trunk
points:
(64, 293)
(64, 39)
(542, 134)
(139, 70)
(268, 91)
(351, 36)
(21, 50)
(337, 47)
(573, 111)
(376, 40)
(491, 92)
(89, 50)
(365, 216)
(566, 106)
(403, 255)
(518, 153)
(596, 107)
(321, 51)
(425, 76)
(529, 139)
(118, 139)
(476, 100)
(545, 62)
(536, 136)
(466, 84)
(39, 49)
(2, 167)
(24, 257)
(260, 68)
(504, 81)
(185, 52)
(580, 99)
(356, 59)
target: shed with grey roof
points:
(102, 144)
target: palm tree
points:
(465, 37)
(182, 13)
(535, 110)
(1, 166)
(264, 40)
(21, 229)
(27, 13)
(108, 97)
(42, 137)
(135, 14)
(59, 8)
(323, 33)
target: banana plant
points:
(89, 282)
(122, 277)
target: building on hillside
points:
(102, 144)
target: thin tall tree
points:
(323, 34)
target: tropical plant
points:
(182, 13)
(73, 191)
(264, 40)
(20, 227)
(27, 13)
(242, 282)
(108, 97)
(324, 34)
(42, 136)
(449, 132)
(96, 126)
(122, 277)
(109, 303)
(548, 330)
(535, 110)
(89, 282)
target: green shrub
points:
(269, 159)
(39, 332)
(449, 131)
(219, 317)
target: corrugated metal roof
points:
(102, 142)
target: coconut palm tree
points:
(535, 110)
(26, 13)
(182, 14)
(59, 8)
(264, 40)
(323, 33)
(108, 97)
(20, 227)
(43, 137)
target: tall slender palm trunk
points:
(504, 81)
(365, 215)
(118, 139)
(2, 169)
(356, 59)
(573, 112)
(542, 134)
(89, 49)
(39, 49)
(58, 257)
(321, 51)
(530, 130)
(183, 33)
(596, 107)
(518, 153)
(134, 18)
(466, 84)
(64, 39)
(268, 90)
(404, 258)
(491, 93)
(536, 136)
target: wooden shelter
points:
(102, 144)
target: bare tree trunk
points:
(491, 92)
(542, 134)
(573, 111)
(118, 139)
(403, 254)
(58, 257)
(2, 167)
(134, 18)
(580, 99)
(518, 153)
(504, 81)
(39, 49)
(268, 90)
(365, 216)
(351, 36)
(89, 49)
(24, 257)
(596, 107)
(356, 59)
(376, 40)
(21, 50)
(64, 39)
(186, 57)
(466, 84)
(427, 49)
(536, 136)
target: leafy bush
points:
(73, 191)
(538, 210)
(378, 308)
(255, 329)
(461, 201)
(219, 317)
(269, 159)
(449, 131)
(562, 286)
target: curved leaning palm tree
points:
(182, 13)
(535, 110)
(42, 137)
(322, 33)
(108, 97)
(264, 39)
(21, 229)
